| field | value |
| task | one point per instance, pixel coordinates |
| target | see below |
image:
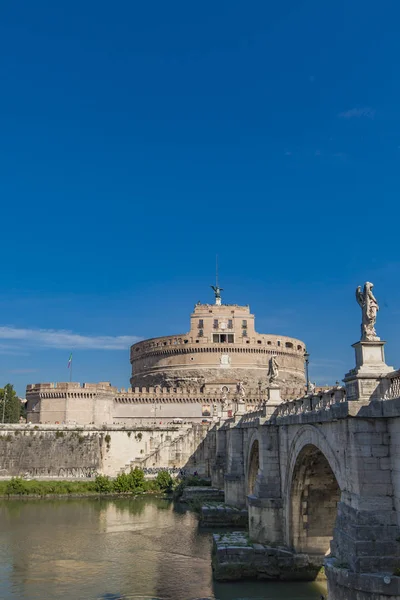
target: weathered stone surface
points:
(235, 557)
(202, 493)
(223, 515)
(68, 451)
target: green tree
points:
(12, 405)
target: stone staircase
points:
(165, 455)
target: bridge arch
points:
(313, 487)
(254, 463)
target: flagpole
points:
(70, 367)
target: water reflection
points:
(115, 549)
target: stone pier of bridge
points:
(320, 477)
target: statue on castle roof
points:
(273, 369)
(217, 292)
(369, 308)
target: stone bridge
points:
(320, 475)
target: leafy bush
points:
(164, 481)
(15, 486)
(103, 484)
(129, 482)
(136, 477)
(121, 484)
(150, 485)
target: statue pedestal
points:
(274, 399)
(364, 382)
(240, 408)
(274, 395)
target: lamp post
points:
(307, 360)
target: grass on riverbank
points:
(125, 483)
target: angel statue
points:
(273, 369)
(217, 292)
(369, 308)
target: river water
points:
(142, 548)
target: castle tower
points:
(221, 347)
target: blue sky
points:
(137, 140)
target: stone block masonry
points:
(68, 452)
(218, 514)
(235, 556)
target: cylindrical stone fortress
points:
(223, 347)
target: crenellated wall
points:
(102, 404)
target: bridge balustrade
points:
(393, 391)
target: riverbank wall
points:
(58, 451)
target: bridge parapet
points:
(312, 403)
(393, 386)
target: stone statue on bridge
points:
(240, 391)
(273, 370)
(369, 308)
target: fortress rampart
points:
(101, 404)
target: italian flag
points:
(69, 360)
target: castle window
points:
(244, 333)
(289, 345)
(278, 343)
(230, 324)
(201, 324)
(215, 324)
(223, 338)
(259, 342)
(244, 324)
(269, 343)
(201, 333)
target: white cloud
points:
(63, 339)
(357, 113)
(327, 363)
